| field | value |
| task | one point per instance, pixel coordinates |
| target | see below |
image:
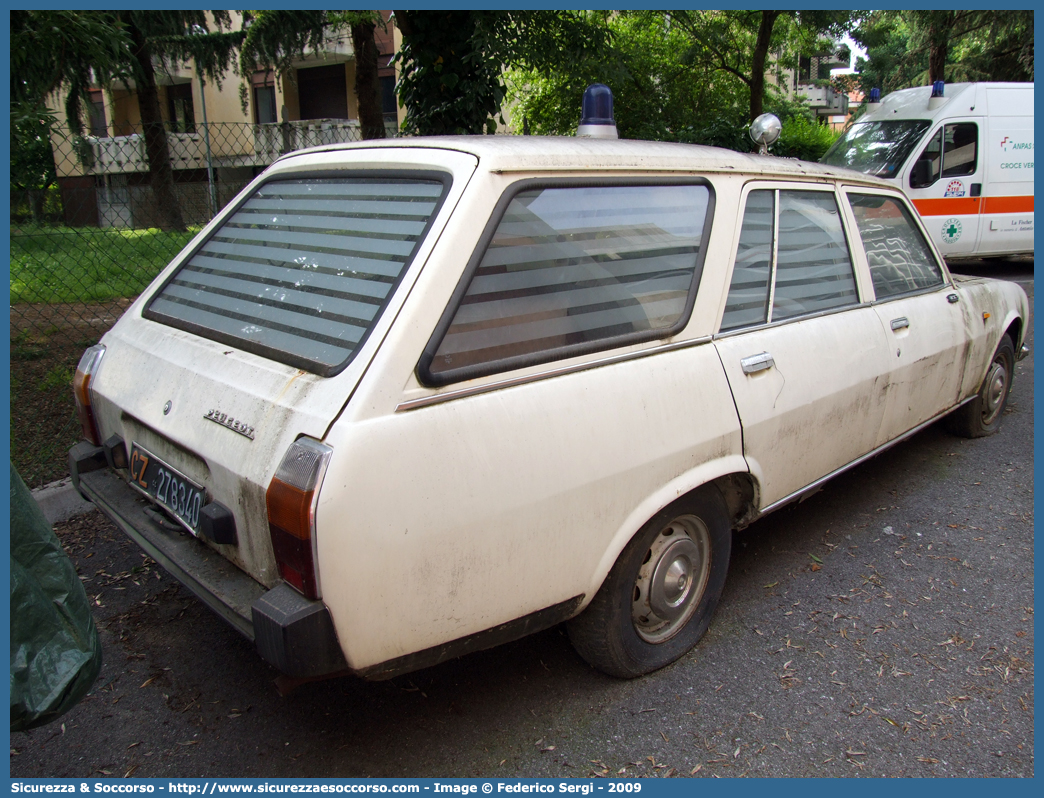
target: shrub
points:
(804, 138)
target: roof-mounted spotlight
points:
(764, 131)
(596, 116)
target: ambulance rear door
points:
(1007, 214)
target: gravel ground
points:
(883, 627)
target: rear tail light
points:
(291, 499)
(85, 373)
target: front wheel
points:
(982, 415)
(658, 599)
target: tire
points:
(658, 599)
(982, 415)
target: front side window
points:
(960, 149)
(951, 152)
(793, 249)
(573, 269)
(303, 269)
(900, 259)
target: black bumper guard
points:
(292, 633)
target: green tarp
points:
(55, 651)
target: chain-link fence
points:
(97, 219)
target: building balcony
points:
(823, 99)
(124, 154)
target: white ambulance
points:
(962, 152)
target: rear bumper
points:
(292, 633)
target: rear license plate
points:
(167, 487)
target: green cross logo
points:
(951, 231)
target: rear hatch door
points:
(261, 329)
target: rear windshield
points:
(876, 148)
(302, 270)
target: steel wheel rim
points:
(996, 390)
(672, 579)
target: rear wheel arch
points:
(660, 594)
(728, 474)
(687, 541)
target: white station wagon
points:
(409, 399)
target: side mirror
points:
(921, 174)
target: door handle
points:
(755, 363)
(953, 299)
(901, 323)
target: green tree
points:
(32, 158)
(658, 93)
(276, 38)
(66, 50)
(664, 89)
(739, 43)
(914, 48)
(452, 62)
(50, 50)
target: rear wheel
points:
(658, 599)
(982, 415)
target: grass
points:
(87, 264)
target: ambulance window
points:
(900, 259)
(922, 176)
(960, 148)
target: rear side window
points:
(573, 269)
(792, 260)
(900, 259)
(747, 303)
(302, 270)
(813, 268)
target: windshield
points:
(876, 148)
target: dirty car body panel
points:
(574, 340)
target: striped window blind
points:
(302, 270)
(747, 303)
(571, 269)
(813, 268)
(900, 259)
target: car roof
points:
(567, 153)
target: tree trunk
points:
(156, 150)
(367, 82)
(757, 63)
(938, 49)
(937, 27)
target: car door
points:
(945, 185)
(803, 356)
(918, 309)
